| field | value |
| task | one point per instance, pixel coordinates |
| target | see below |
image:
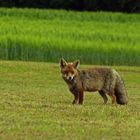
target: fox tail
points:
(120, 91)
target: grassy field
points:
(36, 104)
(47, 35)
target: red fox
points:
(104, 80)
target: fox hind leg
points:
(103, 94)
(113, 97)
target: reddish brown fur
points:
(104, 80)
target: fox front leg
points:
(76, 97)
(81, 96)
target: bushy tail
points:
(120, 92)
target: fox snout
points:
(69, 76)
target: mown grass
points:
(47, 35)
(36, 104)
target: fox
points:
(104, 80)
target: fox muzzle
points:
(69, 76)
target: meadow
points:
(35, 104)
(46, 35)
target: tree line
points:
(80, 5)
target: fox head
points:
(68, 70)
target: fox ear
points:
(63, 63)
(75, 63)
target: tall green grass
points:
(92, 37)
